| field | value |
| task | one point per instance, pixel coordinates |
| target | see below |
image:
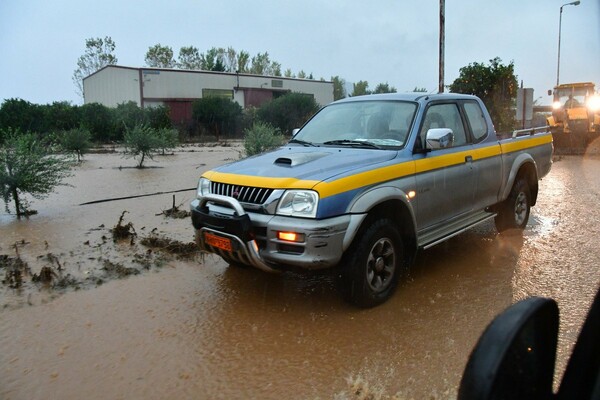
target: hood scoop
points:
(291, 160)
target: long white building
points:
(177, 89)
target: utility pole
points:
(442, 40)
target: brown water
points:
(203, 330)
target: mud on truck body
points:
(365, 183)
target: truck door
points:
(445, 177)
(487, 164)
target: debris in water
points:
(118, 269)
(175, 212)
(171, 246)
(121, 231)
(15, 269)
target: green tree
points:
(339, 91)
(189, 58)
(384, 88)
(217, 114)
(98, 120)
(61, 115)
(159, 56)
(261, 64)
(76, 140)
(27, 167)
(142, 142)
(212, 60)
(260, 138)
(495, 84)
(169, 139)
(243, 59)
(98, 54)
(288, 111)
(360, 88)
(21, 115)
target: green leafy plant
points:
(142, 142)
(27, 167)
(76, 141)
(496, 85)
(289, 111)
(260, 138)
(169, 138)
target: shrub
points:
(288, 112)
(260, 138)
(169, 138)
(217, 114)
(76, 140)
(142, 141)
(99, 120)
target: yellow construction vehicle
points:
(576, 108)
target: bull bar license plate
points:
(217, 241)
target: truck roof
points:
(416, 96)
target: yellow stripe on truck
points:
(378, 175)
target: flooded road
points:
(194, 328)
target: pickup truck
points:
(365, 184)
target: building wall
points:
(113, 85)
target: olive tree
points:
(142, 141)
(27, 167)
(76, 140)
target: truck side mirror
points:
(439, 138)
(515, 356)
(549, 92)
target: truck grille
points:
(244, 194)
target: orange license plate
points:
(217, 241)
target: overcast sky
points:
(377, 40)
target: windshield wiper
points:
(303, 142)
(353, 143)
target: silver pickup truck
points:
(365, 183)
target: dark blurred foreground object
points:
(515, 356)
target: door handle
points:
(468, 159)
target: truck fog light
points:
(290, 236)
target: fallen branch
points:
(136, 196)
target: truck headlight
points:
(299, 203)
(557, 105)
(203, 187)
(594, 103)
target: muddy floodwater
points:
(120, 319)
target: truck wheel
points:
(372, 266)
(514, 212)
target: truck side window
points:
(476, 120)
(444, 116)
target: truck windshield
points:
(571, 97)
(379, 124)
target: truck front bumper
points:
(223, 227)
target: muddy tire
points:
(513, 213)
(371, 268)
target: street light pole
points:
(574, 3)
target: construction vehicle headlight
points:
(203, 187)
(557, 105)
(594, 103)
(299, 203)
